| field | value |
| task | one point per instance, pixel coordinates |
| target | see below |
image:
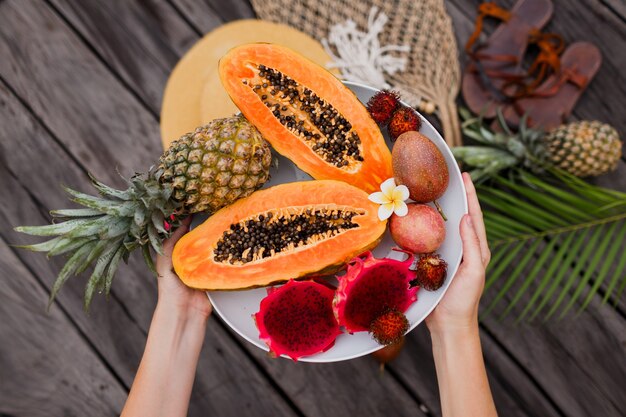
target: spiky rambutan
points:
(431, 272)
(389, 327)
(382, 105)
(404, 119)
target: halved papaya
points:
(307, 114)
(283, 232)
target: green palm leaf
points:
(556, 242)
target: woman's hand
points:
(164, 380)
(172, 292)
(461, 375)
(458, 308)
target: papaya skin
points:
(193, 254)
(240, 64)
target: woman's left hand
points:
(172, 292)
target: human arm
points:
(463, 385)
(162, 386)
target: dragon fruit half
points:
(370, 288)
(297, 319)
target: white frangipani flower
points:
(391, 199)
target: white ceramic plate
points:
(237, 307)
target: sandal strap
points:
(494, 73)
(550, 47)
(507, 59)
(487, 9)
(548, 61)
(570, 75)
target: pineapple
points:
(584, 148)
(205, 170)
(580, 148)
(216, 165)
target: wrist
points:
(181, 312)
(454, 329)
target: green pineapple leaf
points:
(556, 242)
(105, 230)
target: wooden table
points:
(80, 91)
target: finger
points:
(168, 244)
(477, 217)
(472, 257)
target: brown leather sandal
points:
(497, 62)
(553, 101)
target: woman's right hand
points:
(458, 308)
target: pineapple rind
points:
(217, 164)
(584, 148)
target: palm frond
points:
(556, 242)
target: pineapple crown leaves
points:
(500, 150)
(106, 229)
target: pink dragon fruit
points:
(370, 288)
(297, 319)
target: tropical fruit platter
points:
(342, 273)
(326, 214)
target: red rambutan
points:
(382, 105)
(389, 327)
(404, 119)
(431, 272)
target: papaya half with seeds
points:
(282, 232)
(307, 114)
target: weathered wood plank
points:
(232, 10)
(140, 41)
(616, 6)
(24, 145)
(203, 13)
(514, 393)
(339, 389)
(97, 118)
(46, 367)
(137, 294)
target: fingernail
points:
(468, 219)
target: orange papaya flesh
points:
(307, 114)
(282, 232)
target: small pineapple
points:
(584, 148)
(581, 148)
(205, 170)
